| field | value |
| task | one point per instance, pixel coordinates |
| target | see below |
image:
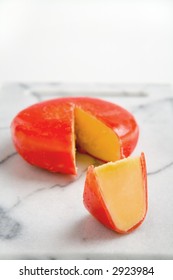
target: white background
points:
(127, 41)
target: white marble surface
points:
(42, 214)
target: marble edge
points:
(90, 89)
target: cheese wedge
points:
(116, 193)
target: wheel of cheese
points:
(48, 133)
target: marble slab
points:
(42, 214)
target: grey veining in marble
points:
(42, 214)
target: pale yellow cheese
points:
(122, 187)
(95, 137)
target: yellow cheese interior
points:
(95, 137)
(122, 187)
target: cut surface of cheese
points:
(122, 188)
(94, 137)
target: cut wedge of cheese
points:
(47, 134)
(116, 193)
